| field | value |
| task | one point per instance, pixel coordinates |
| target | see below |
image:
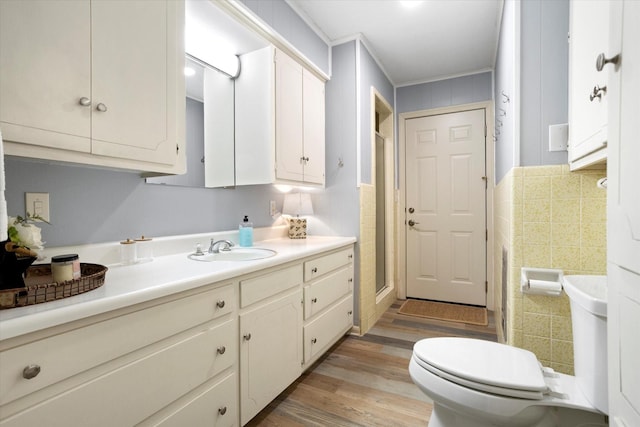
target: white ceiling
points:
(432, 40)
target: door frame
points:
(489, 158)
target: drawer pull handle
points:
(314, 300)
(220, 303)
(247, 337)
(222, 410)
(222, 349)
(314, 270)
(314, 340)
(30, 371)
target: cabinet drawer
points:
(327, 328)
(261, 287)
(319, 266)
(325, 291)
(133, 392)
(216, 406)
(61, 356)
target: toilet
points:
(476, 383)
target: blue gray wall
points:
(91, 205)
(370, 76)
(444, 93)
(544, 78)
(282, 18)
(544, 81)
(505, 92)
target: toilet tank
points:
(588, 300)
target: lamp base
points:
(297, 228)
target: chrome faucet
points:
(214, 248)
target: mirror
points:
(214, 41)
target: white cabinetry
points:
(173, 360)
(588, 98)
(300, 140)
(270, 337)
(280, 121)
(623, 218)
(328, 302)
(95, 82)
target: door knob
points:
(412, 223)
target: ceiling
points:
(424, 41)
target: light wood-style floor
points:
(364, 381)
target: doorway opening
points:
(381, 217)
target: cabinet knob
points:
(597, 92)
(220, 303)
(350, 279)
(30, 371)
(222, 349)
(314, 300)
(101, 107)
(304, 159)
(247, 337)
(350, 312)
(350, 256)
(84, 101)
(222, 410)
(314, 270)
(602, 60)
(314, 340)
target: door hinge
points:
(485, 130)
(177, 149)
(486, 287)
(486, 235)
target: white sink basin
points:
(235, 254)
(590, 292)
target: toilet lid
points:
(483, 365)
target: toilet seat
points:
(484, 366)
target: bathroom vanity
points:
(176, 341)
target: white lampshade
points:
(296, 204)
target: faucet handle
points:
(198, 251)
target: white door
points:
(446, 207)
(623, 217)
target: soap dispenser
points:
(246, 232)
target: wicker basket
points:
(41, 288)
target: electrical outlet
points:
(37, 204)
(272, 208)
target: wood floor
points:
(364, 381)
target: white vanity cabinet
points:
(588, 99)
(270, 337)
(94, 82)
(328, 302)
(161, 362)
(280, 121)
(300, 134)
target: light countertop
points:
(166, 274)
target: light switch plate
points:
(558, 137)
(37, 204)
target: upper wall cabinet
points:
(588, 77)
(280, 117)
(94, 82)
